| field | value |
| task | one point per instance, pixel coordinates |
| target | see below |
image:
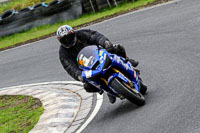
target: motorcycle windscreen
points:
(87, 57)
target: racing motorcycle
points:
(111, 73)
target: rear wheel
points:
(129, 93)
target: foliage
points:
(19, 113)
(20, 4)
(85, 18)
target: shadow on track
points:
(121, 108)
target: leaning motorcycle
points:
(111, 73)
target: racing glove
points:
(80, 78)
(108, 46)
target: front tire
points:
(125, 90)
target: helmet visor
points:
(69, 40)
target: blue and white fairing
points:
(94, 63)
(92, 60)
(120, 62)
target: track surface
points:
(166, 42)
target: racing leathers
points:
(85, 38)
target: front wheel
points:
(129, 93)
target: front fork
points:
(127, 67)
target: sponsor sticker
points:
(88, 74)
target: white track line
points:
(95, 111)
(100, 97)
(141, 10)
(43, 83)
(137, 11)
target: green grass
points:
(19, 114)
(19, 4)
(48, 29)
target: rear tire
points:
(126, 91)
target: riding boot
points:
(132, 61)
(111, 98)
(143, 88)
(90, 88)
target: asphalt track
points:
(164, 39)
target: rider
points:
(71, 44)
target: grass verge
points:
(45, 31)
(19, 114)
(20, 4)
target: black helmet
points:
(66, 36)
